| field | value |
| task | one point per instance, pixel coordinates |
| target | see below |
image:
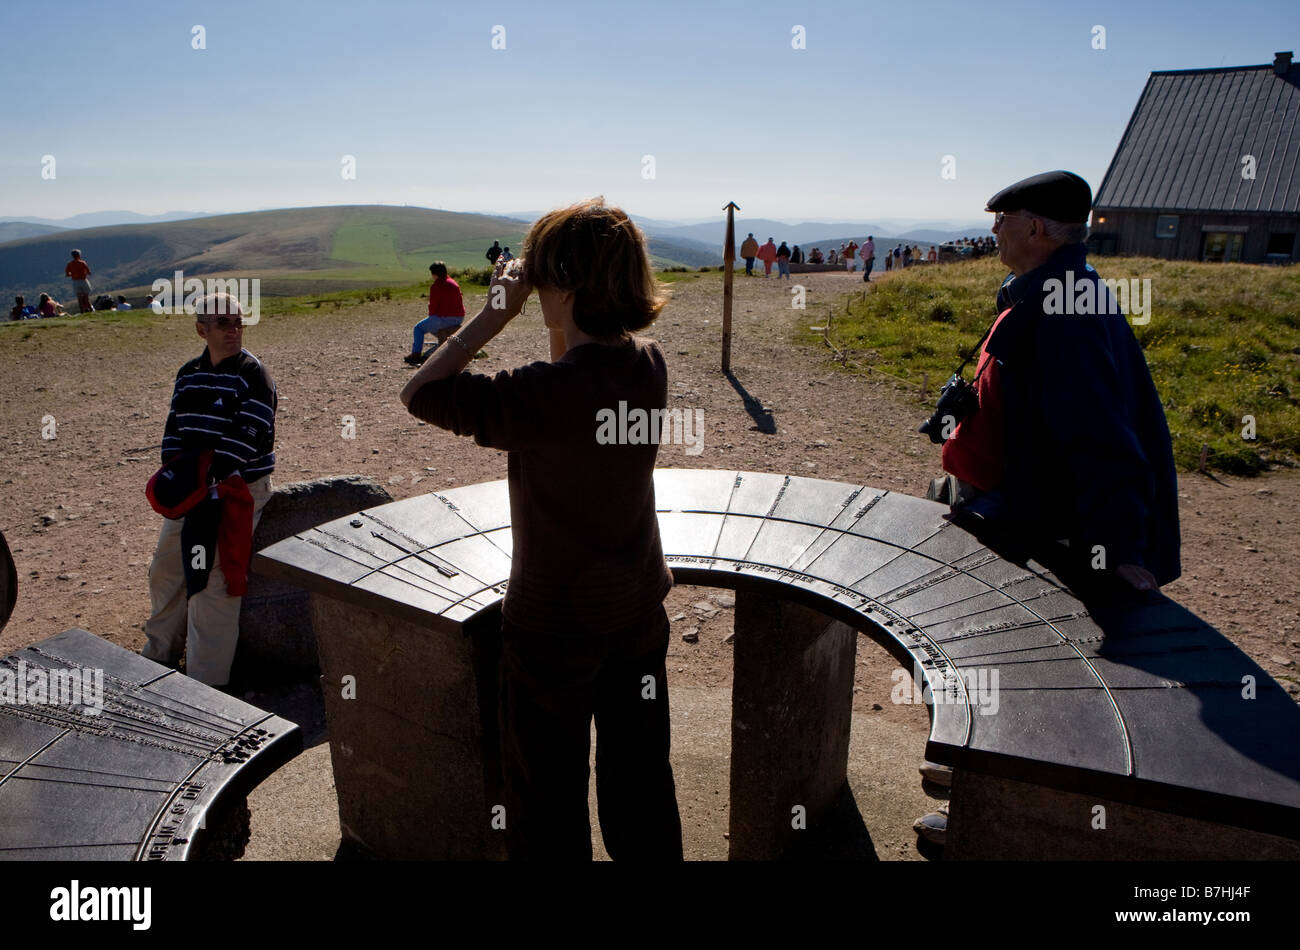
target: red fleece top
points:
(976, 450)
(235, 531)
(445, 299)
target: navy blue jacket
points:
(1089, 456)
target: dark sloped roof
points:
(1183, 148)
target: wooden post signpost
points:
(728, 258)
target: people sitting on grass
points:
(446, 311)
(22, 310)
(122, 304)
(48, 307)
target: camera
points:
(957, 400)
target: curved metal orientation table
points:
(1044, 709)
(158, 773)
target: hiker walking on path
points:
(767, 254)
(749, 251)
(783, 261)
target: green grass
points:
(1223, 343)
(313, 299)
(679, 273)
(473, 280)
(366, 244)
(460, 254)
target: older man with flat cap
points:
(1066, 457)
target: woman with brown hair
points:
(584, 631)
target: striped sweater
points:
(229, 408)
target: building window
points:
(1281, 242)
(1221, 245)
(1167, 226)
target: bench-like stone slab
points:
(139, 780)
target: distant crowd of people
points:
(904, 255)
(77, 270)
(853, 256)
(974, 247)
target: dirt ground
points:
(82, 534)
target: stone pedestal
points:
(792, 699)
(412, 726)
(1000, 819)
(276, 641)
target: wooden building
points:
(1208, 168)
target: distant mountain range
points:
(17, 230)
(99, 219)
(293, 250)
(13, 229)
(710, 230)
(304, 250)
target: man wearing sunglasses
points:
(1070, 441)
(220, 435)
(1067, 457)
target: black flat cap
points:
(1059, 195)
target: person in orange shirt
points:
(77, 271)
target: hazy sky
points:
(855, 125)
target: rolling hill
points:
(17, 230)
(101, 219)
(293, 250)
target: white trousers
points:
(206, 627)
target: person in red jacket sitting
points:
(446, 311)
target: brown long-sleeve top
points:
(587, 555)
